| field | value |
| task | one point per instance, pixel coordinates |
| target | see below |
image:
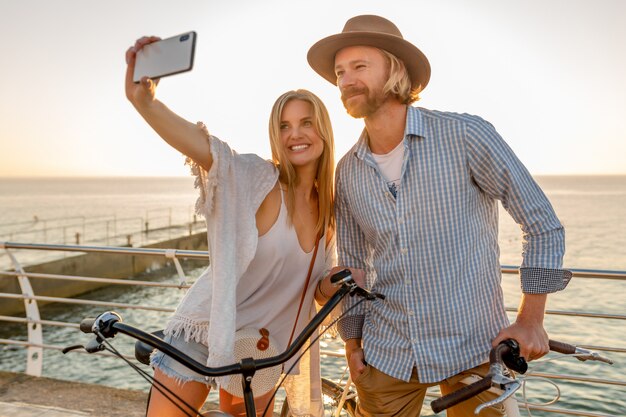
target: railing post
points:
(34, 354)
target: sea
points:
(82, 210)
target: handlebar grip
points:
(340, 276)
(561, 347)
(86, 325)
(461, 395)
(497, 353)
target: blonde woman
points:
(264, 220)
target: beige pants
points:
(381, 395)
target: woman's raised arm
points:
(186, 137)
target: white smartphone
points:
(166, 57)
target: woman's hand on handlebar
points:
(358, 275)
(142, 93)
(326, 289)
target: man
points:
(417, 209)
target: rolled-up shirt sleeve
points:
(501, 175)
(351, 251)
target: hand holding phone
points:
(165, 57)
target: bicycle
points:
(108, 324)
(503, 359)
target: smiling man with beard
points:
(416, 207)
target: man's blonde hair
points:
(325, 176)
(399, 82)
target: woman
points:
(264, 220)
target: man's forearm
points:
(532, 309)
(352, 344)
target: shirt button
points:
(407, 282)
(400, 220)
(410, 312)
(404, 251)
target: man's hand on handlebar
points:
(528, 328)
(532, 339)
(502, 355)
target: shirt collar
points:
(414, 128)
(414, 123)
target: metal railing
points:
(107, 230)
(35, 344)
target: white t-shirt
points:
(390, 165)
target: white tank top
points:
(269, 292)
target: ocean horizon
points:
(589, 206)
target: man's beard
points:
(362, 108)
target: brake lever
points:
(502, 381)
(509, 390)
(344, 277)
(93, 346)
(368, 295)
(589, 355)
(70, 348)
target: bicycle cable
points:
(160, 387)
(537, 364)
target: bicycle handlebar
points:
(501, 356)
(495, 360)
(460, 395)
(108, 324)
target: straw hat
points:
(369, 30)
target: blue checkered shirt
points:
(432, 250)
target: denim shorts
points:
(176, 370)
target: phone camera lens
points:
(184, 38)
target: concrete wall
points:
(91, 265)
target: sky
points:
(550, 75)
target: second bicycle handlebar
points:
(108, 324)
(501, 356)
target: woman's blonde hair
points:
(399, 82)
(325, 176)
